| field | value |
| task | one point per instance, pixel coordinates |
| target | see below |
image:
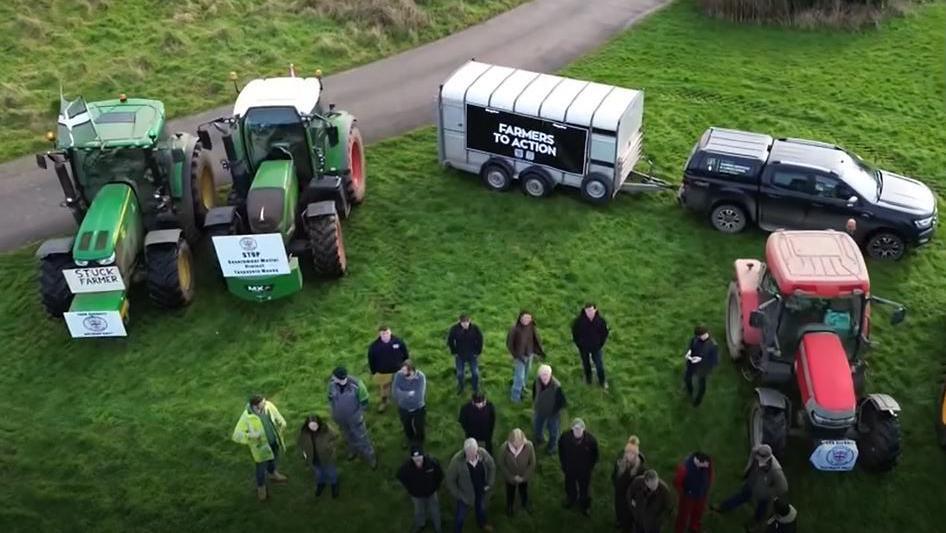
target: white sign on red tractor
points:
(243, 256)
(835, 455)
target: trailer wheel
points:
(328, 247)
(536, 183)
(734, 338)
(170, 274)
(596, 189)
(496, 176)
(879, 441)
(53, 289)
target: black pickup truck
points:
(738, 178)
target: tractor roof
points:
(135, 122)
(300, 93)
(827, 263)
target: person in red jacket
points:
(692, 481)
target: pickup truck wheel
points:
(728, 218)
(885, 246)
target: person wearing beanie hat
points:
(784, 519)
(651, 502)
(478, 420)
(764, 482)
(421, 475)
(577, 456)
(701, 358)
(260, 428)
(348, 398)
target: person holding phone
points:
(701, 357)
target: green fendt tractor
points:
(139, 197)
(297, 170)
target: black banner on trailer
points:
(535, 140)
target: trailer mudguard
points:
(163, 236)
(772, 398)
(336, 157)
(883, 403)
(62, 245)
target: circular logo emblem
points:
(840, 456)
(248, 244)
(96, 324)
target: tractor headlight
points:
(108, 260)
(81, 263)
(924, 223)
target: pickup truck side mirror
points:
(41, 161)
(757, 319)
(852, 201)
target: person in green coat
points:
(517, 462)
(260, 427)
(318, 444)
(470, 479)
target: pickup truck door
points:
(784, 194)
(831, 205)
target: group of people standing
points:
(643, 502)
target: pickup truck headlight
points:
(924, 223)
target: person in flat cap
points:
(577, 455)
(348, 398)
(763, 482)
(421, 476)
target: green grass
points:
(134, 434)
(181, 52)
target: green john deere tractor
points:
(297, 170)
(139, 196)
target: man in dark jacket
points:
(764, 482)
(589, 333)
(701, 357)
(523, 343)
(478, 420)
(577, 455)
(651, 502)
(466, 343)
(784, 519)
(421, 475)
(693, 480)
(385, 356)
(548, 400)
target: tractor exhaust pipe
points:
(66, 183)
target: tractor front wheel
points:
(356, 185)
(878, 442)
(170, 274)
(328, 247)
(734, 323)
(768, 425)
(53, 288)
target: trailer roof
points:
(738, 143)
(827, 264)
(555, 98)
(300, 93)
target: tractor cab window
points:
(271, 128)
(840, 314)
(98, 167)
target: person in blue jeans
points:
(318, 444)
(589, 333)
(466, 344)
(764, 482)
(523, 343)
(548, 400)
(470, 478)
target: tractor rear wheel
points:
(199, 196)
(355, 185)
(328, 247)
(768, 425)
(734, 323)
(878, 442)
(53, 288)
(170, 274)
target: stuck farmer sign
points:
(530, 139)
(95, 279)
(243, 256)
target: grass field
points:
(181, 52)
(134, 434)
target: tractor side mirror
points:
(177, 155)
(204, 137)
(898, 316)
(332, 132)
(757, 319)
(41, 161)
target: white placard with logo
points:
(242, 256)
(95, 324)
(835, 455)
(94, 279)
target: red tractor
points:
(798, 325)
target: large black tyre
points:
(885, 246)
(536, 183)
(199, 195)
(53, 289)
(729, 218)
(328, 247)
(170, 274)
(734, 336)
(768, 425)
(356, 183)
(878, 442)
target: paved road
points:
(389, 97)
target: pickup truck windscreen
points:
(861, 177)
